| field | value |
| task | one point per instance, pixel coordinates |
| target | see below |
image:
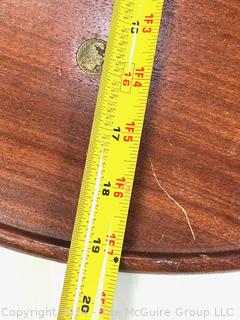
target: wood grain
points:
(185, 208)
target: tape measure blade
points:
(102, 211)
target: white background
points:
(30, 288)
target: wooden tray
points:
(185, 209)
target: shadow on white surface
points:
(31, 289)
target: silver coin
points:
(90, 55)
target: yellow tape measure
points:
(102, 211)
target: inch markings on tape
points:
(98, 234)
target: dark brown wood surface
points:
(185, 209)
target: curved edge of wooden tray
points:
(130, 261)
